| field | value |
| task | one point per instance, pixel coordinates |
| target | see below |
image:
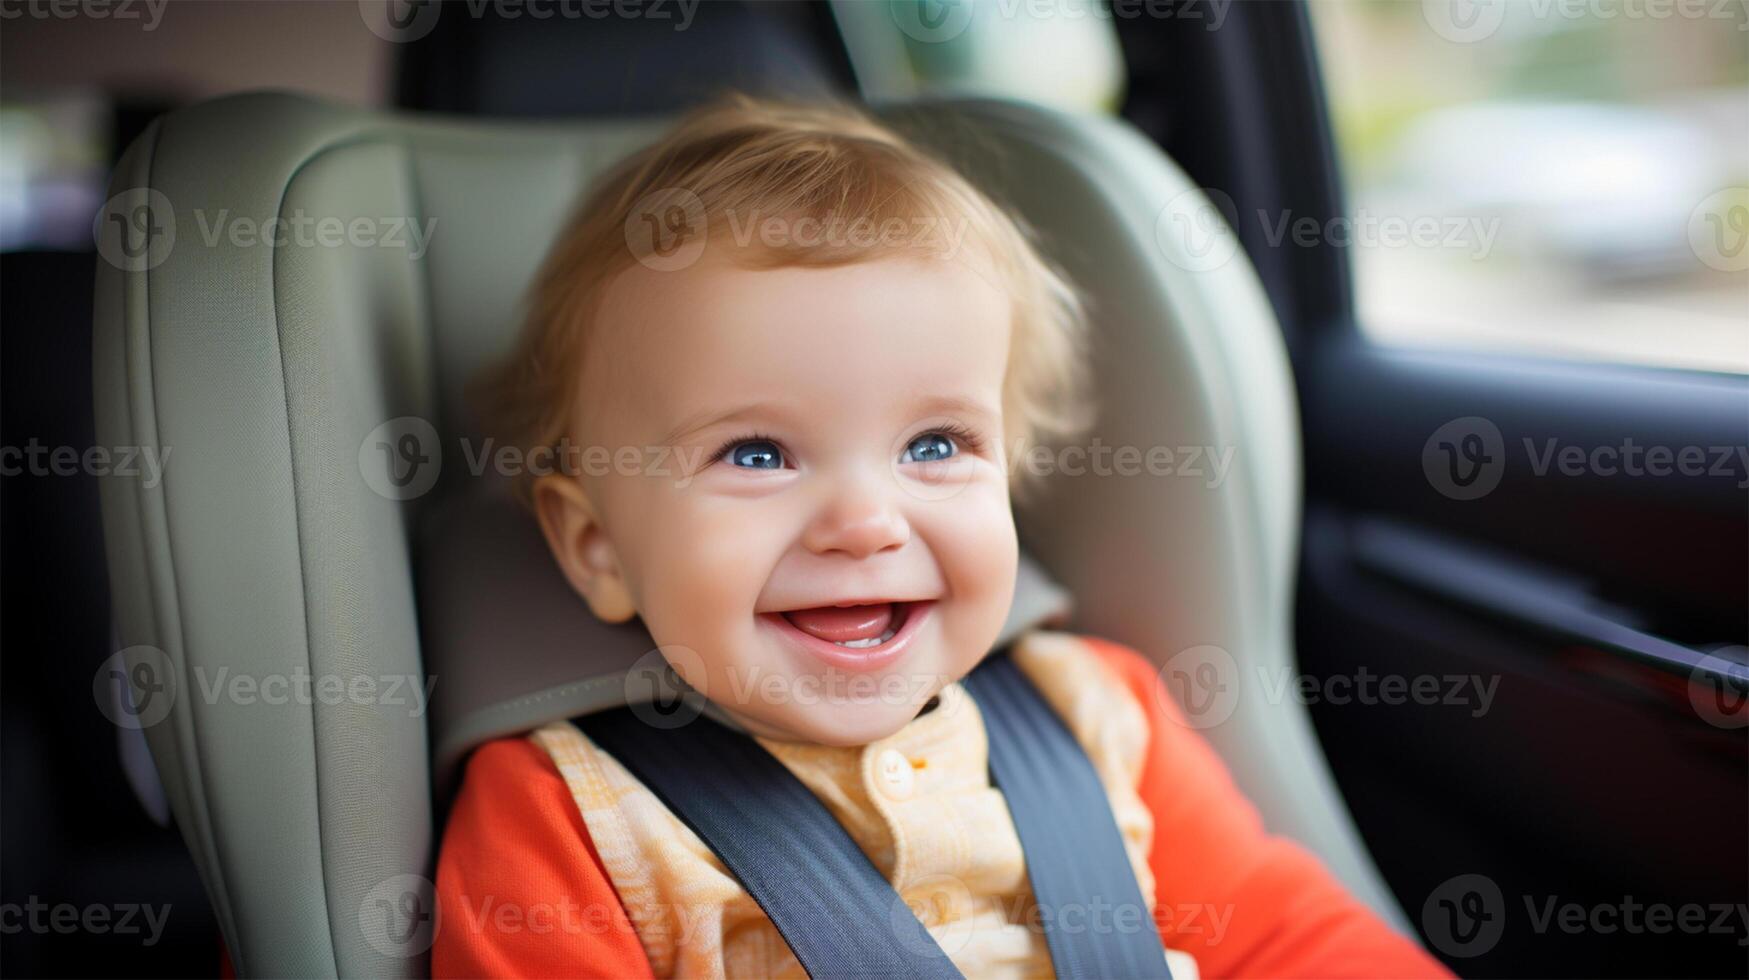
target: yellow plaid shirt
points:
(919, 803)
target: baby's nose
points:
(858, 526)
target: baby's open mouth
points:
(856, 627)
(857, 636)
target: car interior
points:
(1580, 632)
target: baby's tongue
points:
(839, 624)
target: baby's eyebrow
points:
(958, 405)
(767, 411)
(709, 418)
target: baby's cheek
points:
(988, 516)
(706, 573)
(978, 549)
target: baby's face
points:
(830, 535)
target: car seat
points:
(276, 545)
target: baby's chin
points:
(833, 722)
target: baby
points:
(844, 344)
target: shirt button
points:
(894, 774)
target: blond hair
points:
(827, 162)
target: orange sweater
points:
(526, 894)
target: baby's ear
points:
(580, 546)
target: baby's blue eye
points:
(757, 454)
(930, 447)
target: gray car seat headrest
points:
(509, 646)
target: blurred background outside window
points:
(1061, 53)
(1573, 172)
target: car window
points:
(1062, 53)
(1560, 177)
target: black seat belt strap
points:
(839, 916)
(832, 906)
(1096, 921)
